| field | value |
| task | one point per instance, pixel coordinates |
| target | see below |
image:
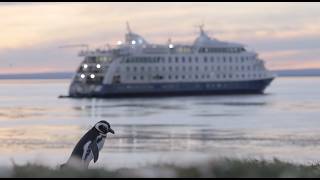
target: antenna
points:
(201, 27)
(128, 27)
(75, 46)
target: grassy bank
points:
(215, 168)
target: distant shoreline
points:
(55, 75)
(69, 75)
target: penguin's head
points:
(103, 127)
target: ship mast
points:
(128, 28)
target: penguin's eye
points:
(102, 128)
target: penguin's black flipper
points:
(95, 150)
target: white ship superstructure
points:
(139, 68)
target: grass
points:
(222, 168)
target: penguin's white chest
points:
(87, 152)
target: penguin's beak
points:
(111, 131)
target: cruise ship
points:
(135, 67)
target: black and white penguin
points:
(89, 146)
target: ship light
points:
(85, 66)
(82, 76)
(119, 42)
(133, 42)
(98, 66)
(92, 76)
(171, 46)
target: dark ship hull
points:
(169, 89)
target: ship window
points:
(205, 59)
(243, 76)
(218, 76)
(225, 68)
(170, 68)
(183, 76)
(242, 59)
(218, 68)
(134, 77)
(196, 76)
(142, 68)
(177, 77)
(197, 68)
(183, 59)
(224, 76)
(208, 76)
(135, 69)
(169, 77)
(230, 75)
(184, 68)
(190, 59)
(177, 59)
(169, 59)
(224, 59)
(203, 76)
(128, 68)
(142, 78)
(230, 59)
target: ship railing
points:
(97, 52)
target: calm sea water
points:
(37, 126)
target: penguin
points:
(89, 146)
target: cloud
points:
(31, 32)
(41, 59)
(292, 59)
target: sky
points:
(285, 35)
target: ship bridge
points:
(207, 44)
(133, 38)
